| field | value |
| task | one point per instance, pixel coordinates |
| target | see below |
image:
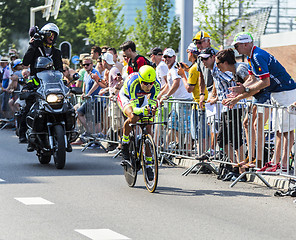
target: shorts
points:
(230, 129)
(261, 98)
(115, 115)
(180, 113)
(285, 122)
(93, 109)
(198, 124)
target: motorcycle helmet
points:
(50, 28)
(43, 63)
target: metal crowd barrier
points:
(249, 130)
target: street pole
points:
(32, 13)
(186, 27)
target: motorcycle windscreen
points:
(52, 82)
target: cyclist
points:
(138, 97)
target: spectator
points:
(4, 84)
(91, 84)
(161, 68)
(14, 84)
(82, 71)
(274, 78)
(225, 61)
(25, 77)
(104, 49)
(115, 59)
(114, 85)
(198, 118)
(230, 129)
(69, 75)
(202, 40)
(177, 90)
(161, 75)
(135, 60)
(95, 53)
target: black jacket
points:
(34, 52)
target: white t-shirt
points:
(112, 82)
(161, 71)
(181, 92)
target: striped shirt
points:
(223, 81)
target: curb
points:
(275, 181)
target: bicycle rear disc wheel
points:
(130, 172)
(148, 150)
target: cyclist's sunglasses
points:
(148, 83)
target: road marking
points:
(33, 201)
(2, 180)
(101, 234)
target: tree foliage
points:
(156, 29)
(108, 27)
(214, 16)
(15, 21)
(72, 22)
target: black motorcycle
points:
(51, 119)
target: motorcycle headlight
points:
(54, 98)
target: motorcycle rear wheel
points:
(59, 150)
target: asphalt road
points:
(90, 199)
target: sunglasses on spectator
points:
(167, 57)
(124, 56)
(197, 42)
(217, 63)
(86, 64)
(148, 83)
(205, 59)
(64, 70)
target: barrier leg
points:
(251, 173)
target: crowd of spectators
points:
(213, 76)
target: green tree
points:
(156, 29)
(108, 27)
(72, 22)
(15, 22)
(214, 17)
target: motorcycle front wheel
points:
(59, 150)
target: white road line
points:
(33, 201)
(101, 234)
(2, 180)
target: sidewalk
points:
(276, 181)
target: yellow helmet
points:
(147, 74)
(201, 35)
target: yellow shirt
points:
(193, 80)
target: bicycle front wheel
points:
(149, 163)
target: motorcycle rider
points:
(41, 44)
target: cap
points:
(154, 51)
(82, 55)
(242, 37)
(17, 62)
(108, 57)
(4, 59)
(208, 52)
(169, 52)
(201, 35)
(192, 48)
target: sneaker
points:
(115, 151)
(267, 165)
(150, 173)
(125, 152)
(274, 168)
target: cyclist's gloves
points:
(143, 111)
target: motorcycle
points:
(52, 118)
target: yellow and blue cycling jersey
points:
(132, 95)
